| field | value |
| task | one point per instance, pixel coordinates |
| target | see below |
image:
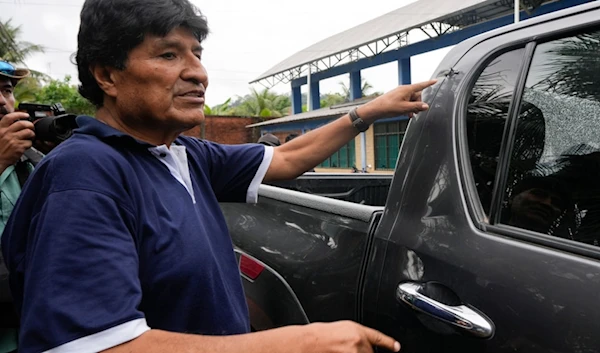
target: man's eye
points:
(168, 55)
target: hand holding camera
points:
(52, 123)
(16, 136)
(39, 125)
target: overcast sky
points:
(247, 38)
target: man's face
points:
(7, 99)
(163, 83)
(537, 208)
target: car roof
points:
(463, 47)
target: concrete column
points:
(404, 71)
(363, 151)
(296, 100)
(356, 93)
(355, 85)
(315, 95)
(309, 85)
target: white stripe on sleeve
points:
(252, 194)
(106, 339)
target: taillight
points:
(250, 267)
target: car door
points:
(491, 241)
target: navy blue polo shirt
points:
(112, 236)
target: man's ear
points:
(105, 77)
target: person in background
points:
(290, 137)
(269, 140)
(16, 136)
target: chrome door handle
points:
(462, 316)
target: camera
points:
(51, 121)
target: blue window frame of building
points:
(345, 157)
(388, 138)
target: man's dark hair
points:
(269, 140)
(110, 29)
(290, 137)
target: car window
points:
(553, 179)
(487, 112)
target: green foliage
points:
(66, 93)
(220, 109)
(365, 88)
(26, 90)
(11, 49)
(31, 89)
(16, 51)
(264, 104)
(331, 99)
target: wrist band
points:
(356, 121)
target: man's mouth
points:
(194, 93)
(194, 98)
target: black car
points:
(489, 240)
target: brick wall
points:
(226, 129)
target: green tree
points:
(66, 93)
(16, 51)
(331, 99)
(26, 90)
(263, 103)
(365, 88)
(219, 109)
(12, 49)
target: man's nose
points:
(195, 72)
(3, 101)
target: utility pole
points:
(517, 8)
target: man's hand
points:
(16, 136)
(403, 100)
(335, 337)
(347, 337)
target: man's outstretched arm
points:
(305, 152)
